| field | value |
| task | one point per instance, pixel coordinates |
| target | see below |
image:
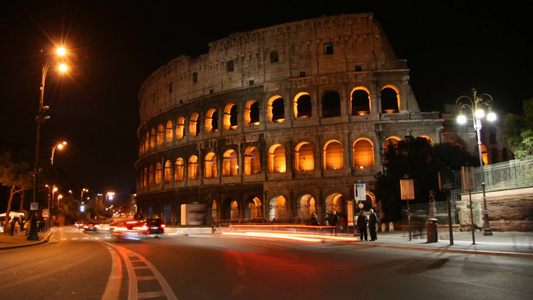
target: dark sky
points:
(450, 47)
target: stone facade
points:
(276, 123)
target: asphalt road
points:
(74, 265)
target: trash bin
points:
(431, 226)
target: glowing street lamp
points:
(475, 105)
(41, 117)
(58, 146)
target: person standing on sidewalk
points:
(373, 225)
(362, 221)
(334, 222)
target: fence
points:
(509, 174)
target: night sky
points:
(450, 47)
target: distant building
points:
(276, 123)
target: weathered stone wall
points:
(506, 213)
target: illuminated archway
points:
(363, 153)
(252, 161)
(230, 166)
(194, 124)
(169, 132)
(179, 168)
(211, 120)
(302, 106)
(252, 209)
(307, 206)
(361, 104)
(168, 172)
(276, 109)
(333, 155)
(210, 165)
(390, 99)
(251, 113)
(180, 128)
(304, 158)
(278, 209)
(193, 167)
(276, 159)
(160, 135)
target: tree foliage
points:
(418, 160)
(518, 131)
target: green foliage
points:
(418, 160)
(518, 131)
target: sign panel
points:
(360, 191)
(407, 189)
(45, 213)
(469, 181)
(34, 205)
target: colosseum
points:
(276, 123)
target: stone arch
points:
(160, 135)
(277, 162)
(230, 119)
(390, 99)
(251, 113)
(211, 120)
(302, 106)
(360, 101)
(333, 155)
(252, 161)
(276, 109)
(363, 153)
(194, 124)
(253, 209)
(210, 165)
(306, 207)
(277, 211)
(167, 177)
(169, 132)
(331, 104)
(230, 163)
(192, 167)
(304, 157)
(180, 128)
(179, 169)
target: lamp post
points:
(41, 117)
(59, 146)
(475, 105)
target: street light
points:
(41, 117)
(59, 146)
(475, 105)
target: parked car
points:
(89, 226)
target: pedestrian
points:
(314, 219)
(12, 225)
(334, 222)
(362, 222)
(27, 226)
(373, 225)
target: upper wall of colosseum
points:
(315, 47)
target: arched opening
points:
(211, 121)
(363, 153)
(194, 125)
(335, 202)
(276, 159)
(179, 168)
(169, 132)
(152, 138)
(180, 128)
(391, 143)
(193, 167)
(278, 209)
(160, 135)
(230, 117)
(430, 141)
(360, 101)
(168, 172)
(331, 104)
(147, 141)
(252, 209)
(230, 166)
(252, 161)
(276, 109)
(158, 173)
(390, 100)
(210, 165)
(333, 155)
(145, 177)
(307, 206)
(214, 211)
(304, 158)
(302, 106)
(151, 175)
(251, 113)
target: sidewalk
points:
(21, 240)
(518, 244)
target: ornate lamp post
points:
(41, 117)
(475, 105)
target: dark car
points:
(89, 226)
(154, 226)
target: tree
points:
(16, 174)
(418, 160)
(518, 131)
